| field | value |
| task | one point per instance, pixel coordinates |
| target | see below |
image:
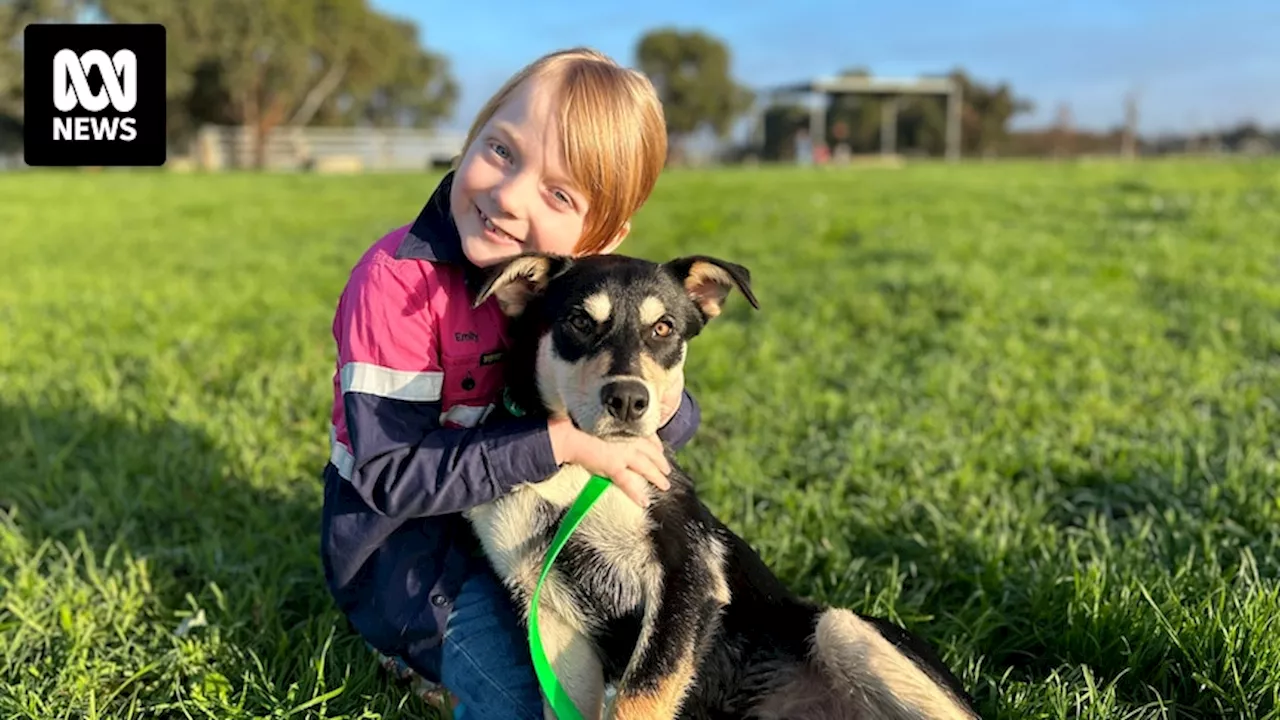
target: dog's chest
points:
(616, 567)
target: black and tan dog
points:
(666, 603)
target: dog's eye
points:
(663, 328)
(582, 323)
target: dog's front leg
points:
(682, 608)
(576, 664)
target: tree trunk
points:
(318, 94)
(250, 120)
(267, 122)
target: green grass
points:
(1029, 410)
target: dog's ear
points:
(515, 281)
(708, 281)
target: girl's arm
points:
(402, 461)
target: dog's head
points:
(602, 337)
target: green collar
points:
(510, 405)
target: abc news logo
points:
(71, 90)
(94, 95)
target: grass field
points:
(1030, 411)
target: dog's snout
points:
(626, 400)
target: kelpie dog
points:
(666, 603)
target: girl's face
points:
(512, 192)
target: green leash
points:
(556, 696)
(552, 690)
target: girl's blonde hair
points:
(612, 130)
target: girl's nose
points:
(511, 196)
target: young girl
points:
(557, 161)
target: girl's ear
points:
(617, 239)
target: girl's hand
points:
(632, 464)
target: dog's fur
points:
(666, 603)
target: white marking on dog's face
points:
(651, 310)
(598, 306)
(613, 351)
(574, 388)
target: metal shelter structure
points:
(826, 87)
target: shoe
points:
(435, 696)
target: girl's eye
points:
(500, 150)
(563, 198)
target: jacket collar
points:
(434, 235)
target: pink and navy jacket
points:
(418, 375)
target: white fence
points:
(320, 148)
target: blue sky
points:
(1192, 66)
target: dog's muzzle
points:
(625, 400)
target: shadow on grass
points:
(168, 495)
(162, 491)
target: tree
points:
(271, 63)
(986, 114)
(14, 16)
(391, 81)
(691, 73)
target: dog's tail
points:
(856, 654)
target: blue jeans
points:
(484, 659)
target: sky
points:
(1192, 68)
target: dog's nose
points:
(625, 399)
